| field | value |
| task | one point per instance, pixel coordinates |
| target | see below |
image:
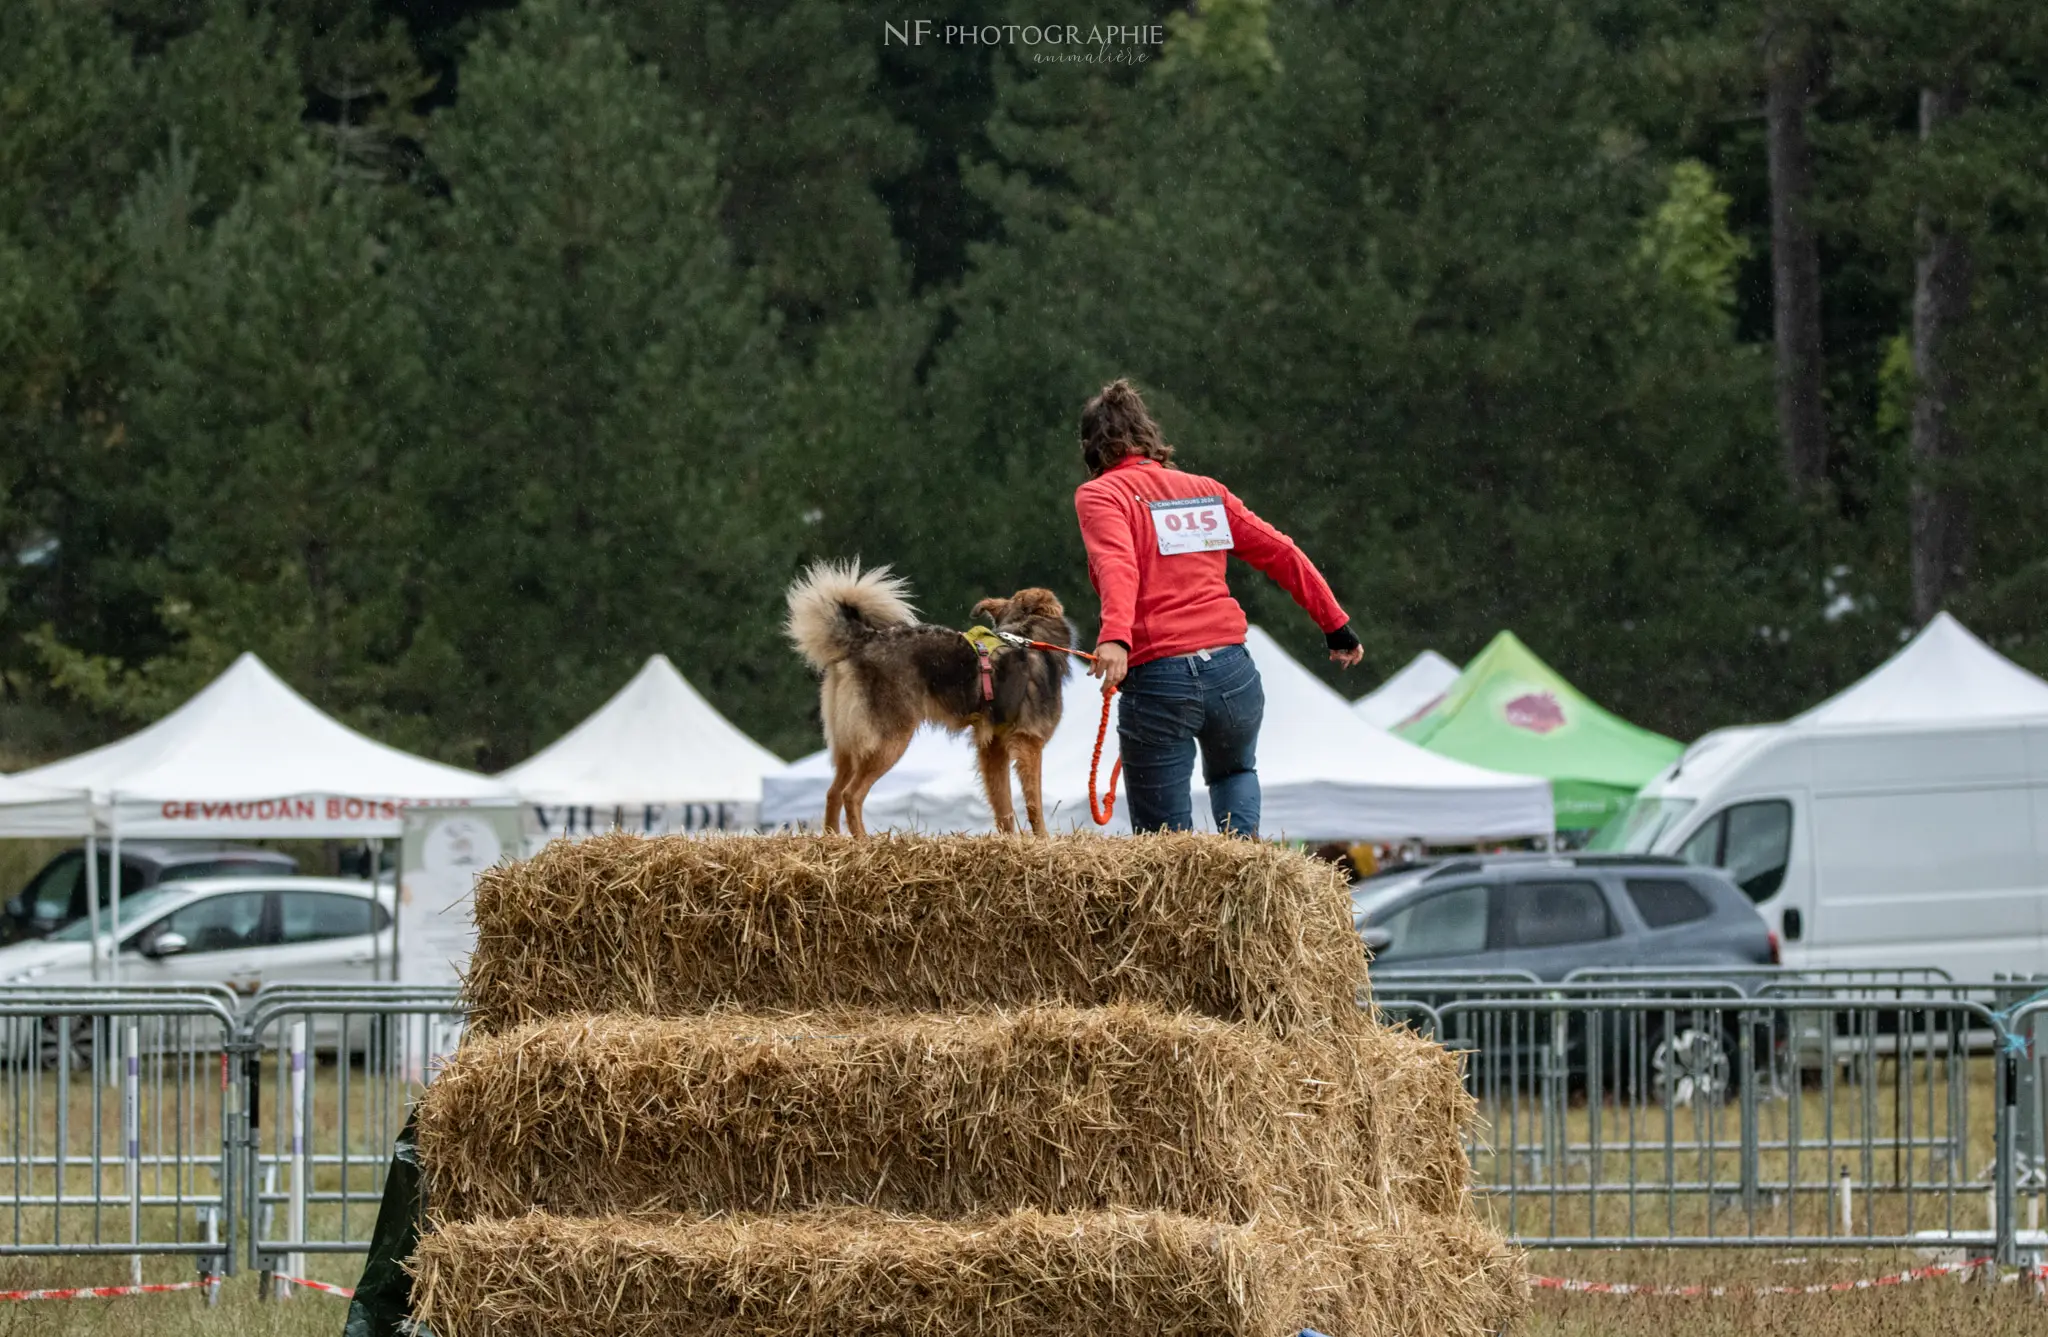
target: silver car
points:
(243, 932)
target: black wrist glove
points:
(1342, 640)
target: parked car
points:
(1552, 914)
(239, 931)
(55, 897)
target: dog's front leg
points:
(995, 782)
(1029, 756)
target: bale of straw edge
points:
(1056, 1108)
(1234, 929)
(1422, 1277)
(1419, 1093)
(853, 1273)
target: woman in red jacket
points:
(1158, 540)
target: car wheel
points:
(65, 1040)
(1690, 1065)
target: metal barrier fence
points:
(1664, 1108)
(119, 1124)
(1843, 977)
(2024, 1136)
(1700, 1122)
(344, 1065)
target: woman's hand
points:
(1344, 646)
(1112, 661)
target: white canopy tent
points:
(656, 757)
(1941, 686)
(28, 809)
(1943, 675)
(1409, 692)
(248, 757)
(1325, 773)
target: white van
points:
(1903, 822)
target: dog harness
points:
(987, 644)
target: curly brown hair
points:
(1115, 426)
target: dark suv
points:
(1553, 914)
(1549, 915)
(55, 896)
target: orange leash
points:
(1107, 810)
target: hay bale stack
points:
(1054, 1108)
(1023, 1274)
(676, 926)
(771, 1086)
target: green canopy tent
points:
(1510, 711)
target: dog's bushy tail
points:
(834, 605)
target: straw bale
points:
(1056, 1108)
(1235, 929)
(1419, 1093)
(1419, 1278)
(853, 1273)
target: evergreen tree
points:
(605, 474)
(85, 117)
(268, 430)
(787, 90)
(456, 396)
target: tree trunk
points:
(1790, 78)
(1937, 510)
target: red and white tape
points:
(105, 1292)
(326, 1287)
(1819, 1288)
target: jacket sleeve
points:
(1112, 559)
(1273, 553)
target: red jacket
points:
(1162, 605)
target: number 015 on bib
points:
(1190, 524)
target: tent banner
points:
(293, 817)
(441, 853)
(1583, 805)
(546, 821)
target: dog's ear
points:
(992, 609)
(1036, 602)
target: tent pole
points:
(114, 903)
(376, 846)
(397, 895)
(92, 887)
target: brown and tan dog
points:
(885, 673)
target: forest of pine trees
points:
(454, 356)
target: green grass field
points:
(1924, 1309)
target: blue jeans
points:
(1169, 707)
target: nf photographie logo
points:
(1047, 42)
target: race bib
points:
(1190, 524)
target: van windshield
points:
(1636, 830)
